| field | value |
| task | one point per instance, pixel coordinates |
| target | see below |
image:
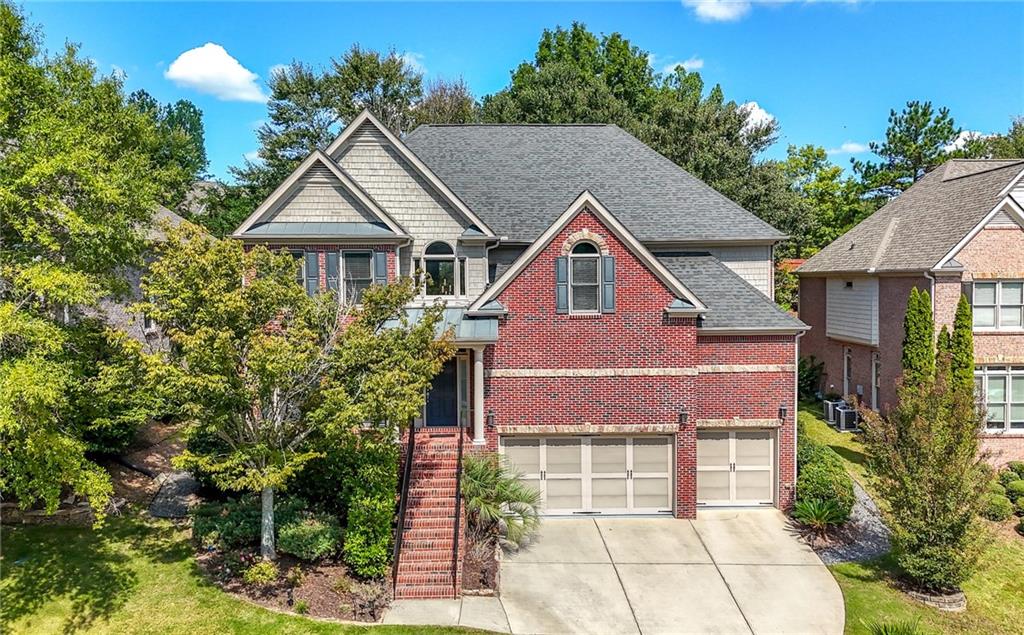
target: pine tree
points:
(962, 346)
(918, 360)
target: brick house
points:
(958, 230)
(618, 342)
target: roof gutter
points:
(778, 330)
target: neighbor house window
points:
(999, 305)
(148, 325)
(1000, 390)
(357, 269)
(876, 379)
(446, 274)
(584, 281)
(847, 372)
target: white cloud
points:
(252, 155)
(961, 140)
(414, 61)
(849, 147)
(692, 64)
(719, 10)
(275, 69)
(210, 69)
(756, 115)
(117, 70)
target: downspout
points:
(796, 402)
(487, 253)
(931, 290)
(398, 257)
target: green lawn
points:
(995, 594)
(133, 576)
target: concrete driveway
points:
(729, 571)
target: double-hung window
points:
(999, 304)
(584, 279)
(1000, 389)
(357, 269)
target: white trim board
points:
(587, 200)
(1012, 208)
(287, 187)
(367, 117)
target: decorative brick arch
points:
(585, 235)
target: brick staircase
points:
(426, 568)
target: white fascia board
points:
(587, 199)
(783, 330)
(287, 186)
(1012, 208)
(410, 156)
(1013, 182)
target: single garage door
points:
(735, 467)
(596, 475)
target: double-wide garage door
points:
(735, 467)
(611, 475)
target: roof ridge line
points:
(883, 244)
(1007, 163)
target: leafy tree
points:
(78, 184)
(918, 361)
(261, 368)
(446, 102)
(927, 467)
(383, 83)
(179, 143)
(831, 201)
(917, 138)
(1011, 144)
(961, 348)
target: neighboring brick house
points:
(959, 230)
(617, 338)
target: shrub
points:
(899, 627)
(310, 536)
(997, 507)
(1018, 507)
(1020, 527)
(1008, 476)
(1016, 467)
(236, 523)
(301, 607)
(497, 502)
(995, 488)
(1015, 490)
(825, 479)
(809, 376)
(371, 507)
(261, 574)
(369, 599)
(819, 515)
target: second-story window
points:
(999, 305)
(446, 274)
(357, 268)
(584, 279)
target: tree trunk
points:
(267, 533)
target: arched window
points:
(584, 279)
(443, 269)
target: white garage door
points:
(735, 467)
(596, 475)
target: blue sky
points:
(827, 71)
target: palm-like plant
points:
(901, 627)
(819, 515)
(498, 504)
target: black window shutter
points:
(312, 272)
(967, 288)
(561, 284)
(332, 270)
(607, 284)
(380, 267)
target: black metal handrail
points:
(458, 514)
(403, 502)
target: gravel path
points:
(864, 537)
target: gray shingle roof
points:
(519, 178)
(317, 230)
(732, 302)
(915, 230)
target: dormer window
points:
(584, 278)
(446, 274)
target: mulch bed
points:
(480, 569)
(325, 587)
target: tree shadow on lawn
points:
(853, 456)
(92, 568)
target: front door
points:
(735, 467)
(442, 407)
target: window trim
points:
(458, 264)
(1009, 372)
(876, 380)
(343, 279)
(596, 258)
(997, 307)
(847, 371)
